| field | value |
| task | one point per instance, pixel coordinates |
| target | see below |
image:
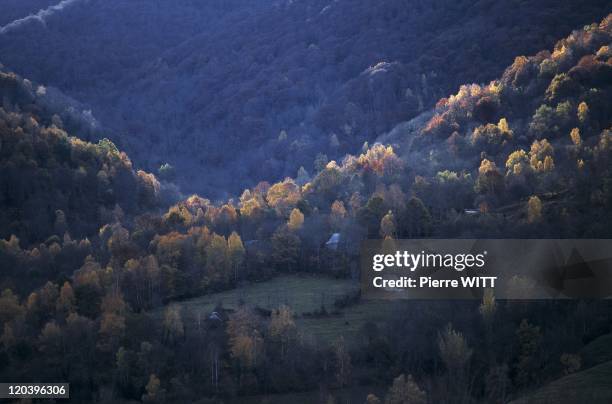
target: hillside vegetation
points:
(275, 82)
(91, 246)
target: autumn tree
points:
(119, 244)
(282, 328)
(283, 196)
(518, 164)
(541, 156)
(135, 283)
(178, 215)
(88, 289)
(170, 249)
(66, 301)
(387, 226)
(154, 392)
(372, 399)
(216, 259)
(489, 181)
(381, 160)
(202, 237)
(296, 220)
(355, 203)
(112, 324)
(404, 390)
(226, 219)
(152, 279)
(583, 112)
(492, 137)
(245, 338)
(286, 248)
(173, 328)
(488, 306)
(328, 182)
(575, 137)
(455, 355)
(252, 205)
(337, 215)
(236, 253)
(534, 209)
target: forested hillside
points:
(56, 187)
(86, 254)
(275, 82)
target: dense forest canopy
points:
(182, 82)
(97, 255)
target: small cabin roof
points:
(215, 316)
(334, 239)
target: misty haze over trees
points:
(112, 112)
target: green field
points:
(304, 294)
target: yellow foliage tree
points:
(540, 150)
(337, 215)
(534, 209)
(489, 179)
(235, 252)
(517, 163)
(296, 220)
(387, 226)
(283, 196)
(216, 258)
(575, 136)
(583, 112)
(282, 327)
(66, 300)
(244, 336)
